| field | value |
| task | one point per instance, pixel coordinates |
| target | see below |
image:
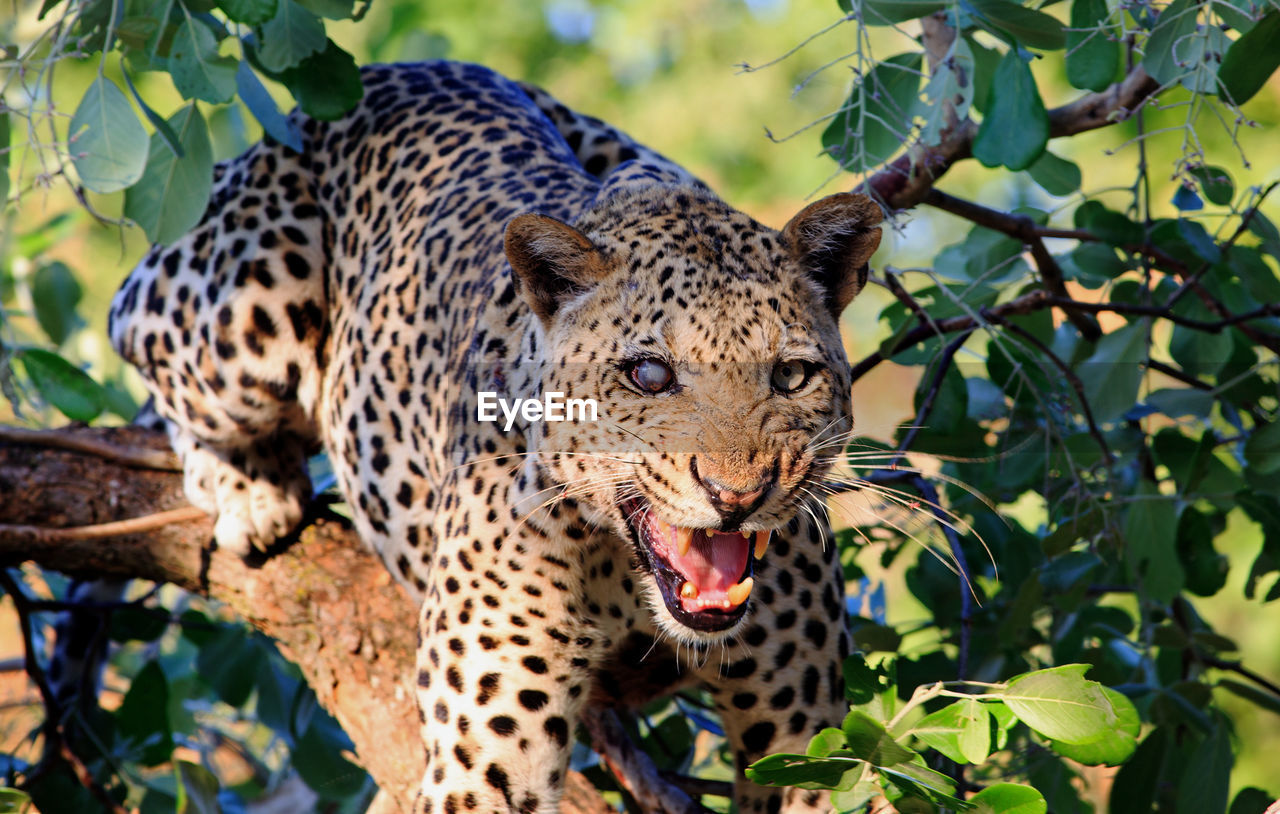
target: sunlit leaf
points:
(1116, 744)
(108, 143)
(869, 741)
(1060, 703)
(198, 789)
(1176, 24)
(948, 93)
(1009, 798)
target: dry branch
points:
(329, 604)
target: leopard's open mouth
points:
(704, 575)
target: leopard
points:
(459, 233)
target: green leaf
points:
(173, 192)
(62, 384)
(885, 12)
(142, 718)
(1205, 790)
(157, 121)
(249, 12)
(1252, 694)
(1150, 534)
(1177, 22)
(876, 119)
(229, 663)
(975, 733)
(326, 84)
(806, 772)
(333, 9)
(55, 293)
(197, 789)
(1060, 704)
(1177, 402)
(1057, 175)
(1093, 50)
(1025, 26)
(197, 69)
(1265, 511)
(13, 801)
(263, 107)
(869, 741)
(1116, 745)
(1215, 183)
(1112, 375)
(943, 729)
(289, 37)
(1009, 798)
(1251, 800)
(1262, 449)
(1199, 353)
(108, 143)
(319, 761)
(1251, 60)
(1206, 569)
(1016, 128)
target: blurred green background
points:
(671, 73)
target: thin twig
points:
(134, 525)
(1182, 376)
(1072, 378)
(1033, 301)
(931, 395)
(139, 457)
(1025, 229)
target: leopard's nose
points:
(731, 501)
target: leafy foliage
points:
(212, 52)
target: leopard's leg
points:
(228, 328)
(505, 663)
(785, 683)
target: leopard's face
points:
(710, 346)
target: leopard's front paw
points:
(258, 494)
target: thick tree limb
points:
(330, 605)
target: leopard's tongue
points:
(710, 562)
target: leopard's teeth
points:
(762, 543)
(684, 540)
(689, 590)
(739, 593)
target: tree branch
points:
(907, 180)
(329, 603)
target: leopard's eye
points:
(652, 375)
(789, 376)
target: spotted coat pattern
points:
(354, 297)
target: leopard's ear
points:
(834, 238)
(552, 261)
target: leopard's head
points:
(710, 344)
